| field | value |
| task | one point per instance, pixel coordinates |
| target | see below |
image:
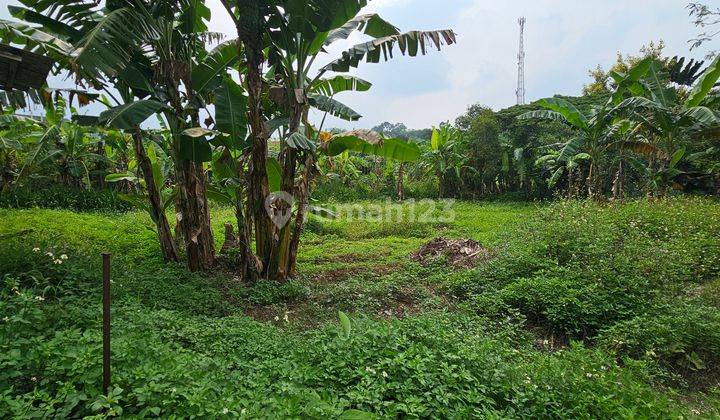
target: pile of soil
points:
(460, 253)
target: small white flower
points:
(285, 318)
(277, 318)
(40, 298)
(49, 254)
(63, 257)
(225, 410)
(57, 262)
(6, 319)
(33, 379)
(36, 249)
(385, 375)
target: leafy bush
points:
(682, 336)
(59, 197)
(266, 292)
(581, 267)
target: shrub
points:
(682, 336)
(580, 267)
(266, 292)
(59, 197)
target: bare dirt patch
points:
(339, 274)
(459, 253)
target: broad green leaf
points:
(210, 73)
(55, 26)
(556, 176)
(567, 110)
(274, 174)
(298, 140)
(333, 107)
(112, 42)
(704, 84)
(369, 24)
(702, 115)
(676, 157)
(435, 139)
(340, 83)
(121, 177)
(409, 42)
(129, 116)
(396, 149)
(43, 150)
(570, 149)
(629, 81)
(196, 149)
(218, 195)
(10, 144)
(231, 111)
(344, 323)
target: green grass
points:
(585, 311)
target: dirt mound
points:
(462, 253)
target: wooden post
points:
(106, 321)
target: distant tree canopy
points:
(400, 130)
(602, 83)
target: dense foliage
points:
(182, 346)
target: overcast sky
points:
(563, 40)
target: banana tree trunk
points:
(617, 188)
(303, 192)
(249, 28)
(280, 256)
(250, 267)
(191, 204)
(400, 186)
(194, 216)
(590, 180)
(157, 210)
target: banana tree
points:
(154, 54)
(290, 35)
(625, 139)
(591, 126)
(567, 161)
(668, 119)
(444, 158)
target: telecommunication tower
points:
(520, 92)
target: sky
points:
(564, 39)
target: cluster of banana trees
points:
(647, 124)
(445, 159)
(56, 149)
(157, 57)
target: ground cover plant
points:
(538, 330)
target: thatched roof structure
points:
(21, 69)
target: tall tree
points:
(288, 36)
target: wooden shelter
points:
(21, 69)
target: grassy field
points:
(583, 311)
